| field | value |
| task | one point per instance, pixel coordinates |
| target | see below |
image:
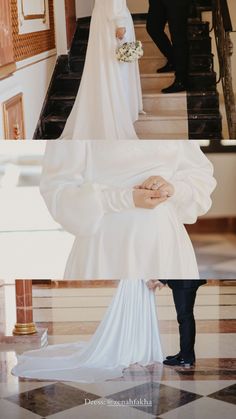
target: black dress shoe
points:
(168, 68)
(178, 355)
(178, 362)
(176, 87)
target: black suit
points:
(184, 294)
(175, 13)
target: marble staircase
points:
(194, 114)
(166, 115)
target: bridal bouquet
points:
(129, 52)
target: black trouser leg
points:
(184, 303)
(177, 13)
(156, 23)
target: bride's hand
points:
(153, 284)
(146, 199)
(120, 33)
(158, 183)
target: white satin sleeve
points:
(116, 11)
(76, 204)
(193, 182)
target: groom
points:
(184, 293)
(175, 13)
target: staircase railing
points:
(223, 32)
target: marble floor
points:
(206, 391)
(216, 255)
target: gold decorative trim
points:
(24, 329)
(31, 44)
(7, 70)
(32, 17)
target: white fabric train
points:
(128, 334)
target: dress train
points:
(128, 334)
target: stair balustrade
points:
(223, 33)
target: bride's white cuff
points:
(117, 200)
(183, 192)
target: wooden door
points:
(13, 115)
(6, 41)
(70, 20)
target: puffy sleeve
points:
(194, 183)
(116, 11)
(76, 203)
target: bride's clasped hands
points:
(152, 192)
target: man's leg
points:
(177, 14)
(184, 303)
(156, 23)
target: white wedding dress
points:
(109, 98)
(88, 188)
(128, 334)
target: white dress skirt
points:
(88, 188)
(109, 98)
(128, 334)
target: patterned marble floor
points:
(206, 391)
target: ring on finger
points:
(156, 185)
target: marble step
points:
(202, 81)
(164, 124)
(163, 136)
(154, 101)
(151, 50)
(141, 32)
(82, 32)
(53, 125)
(150, 64)
(196, 29)
(155, 82)
(201, 63)
(167, 122)
(200, 100)
(157, 102)
(153, 59)
(60, 104)
(76, 64)
(205, 125)
(201, 45)
(208, 136)
(79, 48)
(68, 83)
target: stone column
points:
(24, 309)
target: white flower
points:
(130, 52)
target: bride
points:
(126, 203)
(128, 334)
(109, 98)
